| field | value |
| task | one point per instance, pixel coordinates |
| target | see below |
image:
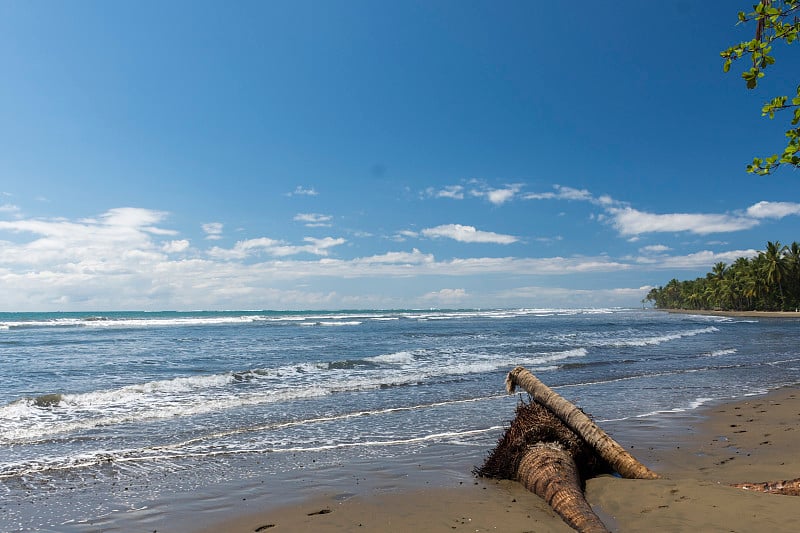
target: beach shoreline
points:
(699, 454)
(741, 314)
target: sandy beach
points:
(740, 314)
(750, 440)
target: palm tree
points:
(719, 270)
(740, 275)
(793, 265)
(749, 288)
(775, 265)
(768, 281)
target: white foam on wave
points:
(444, 436)
(342, 318)
(185, 396)
(166, 322)
(728, 351)
(694, 404)
(660, 339)
(32, 423)
(100, 322)
(331, 323)
(158, 455)
(725, 319)
(393, 358)
(559, 356)
(208, 445)
(25, 421)
(506, 313)
(544, 368)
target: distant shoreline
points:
(751, 314)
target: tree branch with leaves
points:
(775, 21)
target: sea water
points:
(103, 415)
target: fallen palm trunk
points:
(550, 472)
(575, 419)
(787, 488)
(551, 446)
(550, 460)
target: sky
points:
(374, 155)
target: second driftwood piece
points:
(787, 488)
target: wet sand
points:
(699, 455)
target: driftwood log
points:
(551, 446)
(787, 488)
(551, 461)
(620, 460)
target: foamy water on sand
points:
(103, 416)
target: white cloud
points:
(402, 235)
(446, 296)
(250, 247)
(313, 220)
(9, 209)
(501, 196)
(127, 258)
(629, 221)
(703, 259)
(116, 261)
(415, 257)
(497, 196)
(454, 192)
(606, 200)
(132, 217)
(569, 193)
(565, 193)
(467, 234)
(302, 191)
(773, 209)
(549, 240)
(117, 242)
(531, 266)
(213, 230)
(560, 297)
(245, 248)
(654, 249)
(319, 246)
(539, 196)
(175, 246)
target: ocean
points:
(113, 421)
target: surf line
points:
(321, 419)
(130, 456)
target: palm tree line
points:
(769, 281)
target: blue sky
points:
(368, 154)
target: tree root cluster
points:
(552, 447)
